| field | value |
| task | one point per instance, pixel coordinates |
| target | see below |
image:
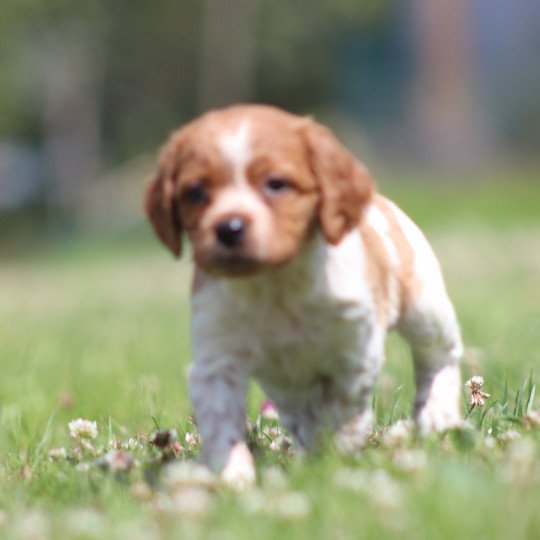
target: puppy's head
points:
(249, 184)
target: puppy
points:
(301, 268)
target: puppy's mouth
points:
(234, 265)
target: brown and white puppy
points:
(301, 269)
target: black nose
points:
(231, 232)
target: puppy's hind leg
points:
(299, 412)
(337, 403)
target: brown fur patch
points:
(379, 270)
(407, 281)
(344, 183)
(160, 208)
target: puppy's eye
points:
(276, 185)
(195, 195)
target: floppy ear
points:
(161, 209)
(344, 183)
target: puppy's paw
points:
(239, 472)
(441, 410)
(351, 437)
(436, 417)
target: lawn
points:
(98, 329)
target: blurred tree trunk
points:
(227, 60)
(69, 64)
(446, 116)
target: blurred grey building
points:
(22, 178)
(453, 82)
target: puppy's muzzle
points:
(231, 232)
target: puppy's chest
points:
(302, 345)
(287, 338)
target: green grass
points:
(99, 329)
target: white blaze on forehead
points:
(238, 196)
(235, 147)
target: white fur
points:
(309, 333)
(239, 472)
(240, 198)
(235, 147)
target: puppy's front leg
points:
(218, 393)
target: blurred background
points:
(89, 91)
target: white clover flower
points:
(490, 442)
(521, 462)
(293, 505)
(192, 439)
(84, 523)
(272, 432)
(269, 411)
(274, 447)
(193, 501)
(274, 477)
(182, 473)
(57, 454)
(83, 429)
(83, 467)
(137, 529)
(397, 434)
(140, 490)
(115, 444)
(287, 505)
(385, 492)
(133, 443)
(477, 396)
(509, 435)
(377, 484)
(118, 461)
(476, 381)
(410, 461)
(281, 444)
(351, 479)
(32, 524)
